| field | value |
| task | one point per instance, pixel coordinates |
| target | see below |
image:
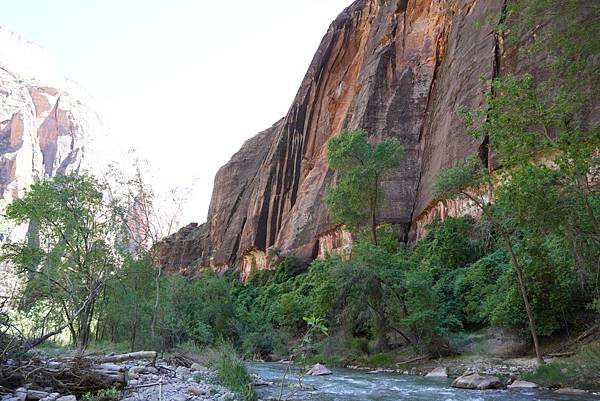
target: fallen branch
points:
(130, 356)
(560, 354)
(141, 386)
(418, 358)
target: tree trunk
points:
(156, 303)
(374, 228)
(523, 288)
(83, 337)
(520, 276)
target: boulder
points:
(475, 381)
(36, 394)
(438, 372)
(517, 384)
(318, 370)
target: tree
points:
(361, 168)
(70, 254)
(466, 180)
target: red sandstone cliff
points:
(398, 69)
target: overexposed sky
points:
(184, 82)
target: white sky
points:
(184, 82)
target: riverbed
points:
(353, 385)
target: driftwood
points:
(73, 375)
(130, 356)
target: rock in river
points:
(476, 381)
(517, 384)
(438, 372)
(318, 370)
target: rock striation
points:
(397, 69)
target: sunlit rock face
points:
(397, 69)
(47, 125)
(46, 122)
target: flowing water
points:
(352, 385)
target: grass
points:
(553, 374)
(582, 370)
(231, 370)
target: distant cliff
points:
(47, 125)
(46, 121)
(397, 69)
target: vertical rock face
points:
(46, 123)
(46, 127)
(397, 69)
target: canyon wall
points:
(47, 126)
(397, 69)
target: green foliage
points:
(109, 394)
(459, 179)
(231, 370)
(70, 254)
(361, 168)
(437, 264)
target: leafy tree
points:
(437, 262)
(70, 256)
(465, 181)
(361, 167)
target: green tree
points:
(466, 180)
(70, 254)
(361, 168)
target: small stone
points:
(196, 390)
(67, 398)
(196, 367)
(438, 372)
(182, 372)
(20, 394)
(51, 397)
(138, 370)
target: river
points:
(353, 385)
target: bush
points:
(360, 344)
